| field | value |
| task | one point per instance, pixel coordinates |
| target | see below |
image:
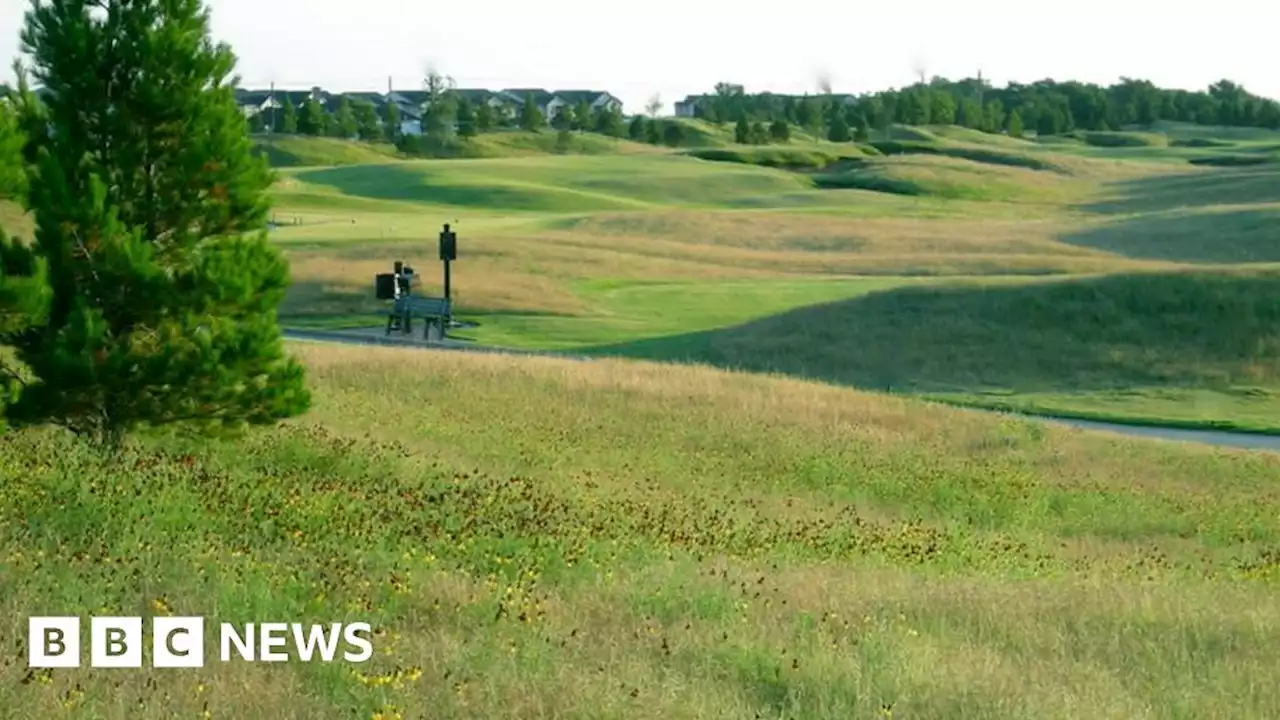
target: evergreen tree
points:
(862, 130)
(484, 117)
(636, 129)
(1015, 124)
(673, 134)
(779, 131)
(653, 131)
(13, 178)
(993, 116)
(466, 118)
(742, 131)
(367, 125)
(156, 285)
(312, 120)
(582, 116)
(289, 118)
(392, 127)
(839, 131)
(608, 121)
(530, 116)
(344, 120)
(562, 119)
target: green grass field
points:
(668, 254)
(549, 538)
(754, 502)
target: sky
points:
(673, 48)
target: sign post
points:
(448, 253)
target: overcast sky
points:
(677, 47)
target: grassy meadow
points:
(742, 508)
(620, 539)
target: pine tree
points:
(530, 116)
(150, 243)
(839, 130)
(636, 128)
(466, 118)
(344, 121)
(742, 131)
(862, 130)
(289, 119)
(312, 120)
(366, 116)
(1015, 124)
(392, 128)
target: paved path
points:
(1221, 438)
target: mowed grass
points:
(547, 538)
(1189, 348)
(650, 253)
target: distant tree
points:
(942, 110)
(839, 130)
(530, 116)
(726, 103)
(759, 134)
(1269, 115)
(653, 131)
(157, 288)
(779, 131)
(969, 114)
(392, 129)
(440, 110)
(654, 106)
(582, 116)
(484, 117)
(312, 120)
(367, 126)
(1014, 125)
(562, 118)
(564, 138)
(344, 120)
(289, 118)
(673, 134)
(993, 116)
(810, 114)
(466, 117)
(636, 128)
(742, 131)
(608, 121)
(862, 130)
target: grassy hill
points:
(640, 252)
(537, 537)
(547, 538)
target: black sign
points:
(448, 244)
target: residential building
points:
(412, 104)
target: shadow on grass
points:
(1175, 330)
(1227, 186)
(415, 184)
(1242, 236)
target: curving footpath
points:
(1220, 438)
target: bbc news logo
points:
(178, 642)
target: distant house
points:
(411, 105)
(408, 104)
(688, 107)
(595, 99)
(546, 102)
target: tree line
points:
(1046, 107)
